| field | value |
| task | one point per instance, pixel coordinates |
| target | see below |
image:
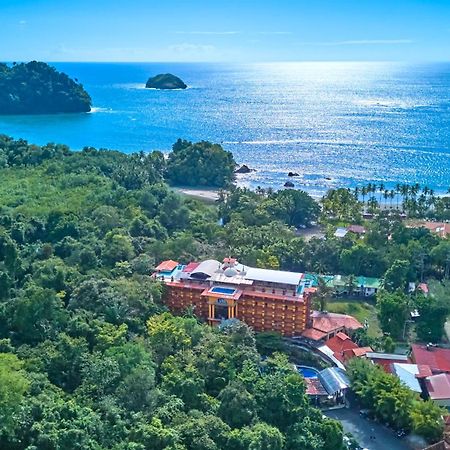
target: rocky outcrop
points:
(165, 81)
(244, 169)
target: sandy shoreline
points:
(210, 195)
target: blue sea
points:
(336, 124)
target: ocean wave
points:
(297, 141)
(386, 103)
(413, 149)
(98, 109)
(141, 86)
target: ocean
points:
(336, 124)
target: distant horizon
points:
(223, 31)
(229, 62)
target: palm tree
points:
(260, 191)
(398, 190)
(431, 199)
(319, 267)
(350, 284)
(422, 204)
(364, 192)
(381, 189)
(372, 204)
(323, 293)
(385, 196)
(391, 197)
(404, 190)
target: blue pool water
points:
(308, 372)
(351, 122)
(222, 290)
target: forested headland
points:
(37, 88)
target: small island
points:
(37, 88)
(165, 81)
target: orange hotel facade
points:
(266, 300)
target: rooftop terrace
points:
(232, 275)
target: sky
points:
(227, 30)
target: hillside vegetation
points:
(37, 88)
(89, 356)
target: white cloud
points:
(186, 47)
(209, 33)
(232, 32)
(274, 33)
(362, 42)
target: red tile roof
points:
(315, 335)
(229, 260)
(424, 371)
(438, 359)
(340, 343)
(330, 322)
(344, 348)
(314, 387)
(438, 386)
(167, 266)
(385, 360)
(423, 287)
(440, 228)
(190, 267)
(358, 229)
(361, 351)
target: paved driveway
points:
(362, 429)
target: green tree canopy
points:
(200, 164)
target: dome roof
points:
(230, 272)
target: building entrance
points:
(221, 310)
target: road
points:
(362, 429)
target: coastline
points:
(209, 195)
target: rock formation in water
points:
(165, 81)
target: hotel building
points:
(266, 300)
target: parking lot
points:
(369, 434)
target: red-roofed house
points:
(326, 325)
(357, 229)
(438, 388)
(315, 335)
(361, 351)
(332, 323)
(344, 348)
(424, 288)
(386, 360)
(167, 266)
(341, 345)
(440, 228)
(437, 359)
(190, 267)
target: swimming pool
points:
(307, 372)
(222, 290)
(171, 273)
